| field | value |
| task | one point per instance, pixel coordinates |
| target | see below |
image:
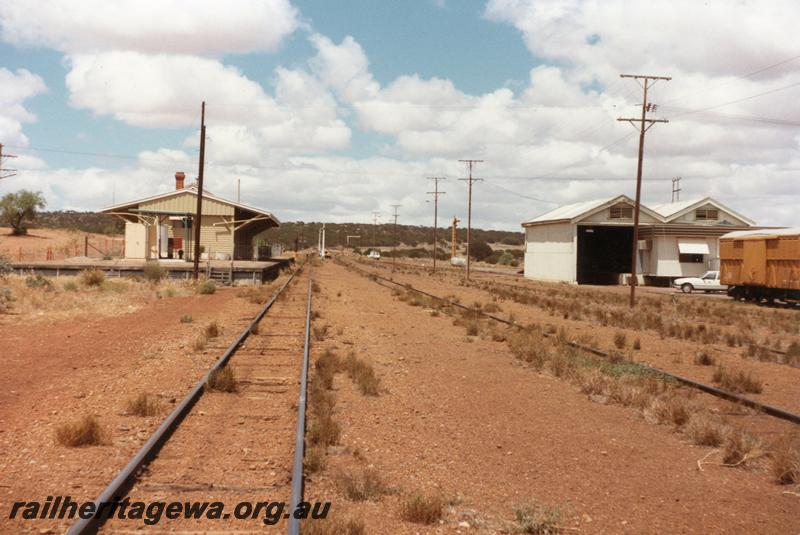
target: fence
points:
(90, 246)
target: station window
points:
(690, 258)
(706, 214)
(622, 211)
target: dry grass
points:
(92, 277)
(200, 342)
(620, 340)
(362, 486)
(333, 527)
(314, 460)
(206, 287)
(704, 358)
(363, 375)
(86, 431)
(143, 405)
(704, 430)
(538, 519)
(737, 381)
(422, 509)
(326, 368)
(739, 448)
(186, 318)
(212, 330)
(529, 346)
(785, 461)
(320, 331)
(222, 380)
(675, 410)
(323, 430)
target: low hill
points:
(379, 235)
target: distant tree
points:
(16, 208)
(480, 250)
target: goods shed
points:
(591, 242)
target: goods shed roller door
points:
(693, 247)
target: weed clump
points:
(703, 430)
(737, 381)
(422, 509)
(367, 485)
(212, 330)
(86, 431)
(330, 526)
(538, 519)
(703, 358)
(142, 405)
(186, 318)
(206, 287)
(530, 347)
(320, 331)
(620, 340)
(363, 375)
(154, 272)
(92, 277)
(785, 461)
(222, 380)
(39, 282)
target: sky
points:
(333, 110)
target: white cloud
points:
(15, 89)
(170, 26)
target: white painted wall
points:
(551, 252)
(664, 259)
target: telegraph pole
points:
(6, 173)
(394, 246)
(676, 189)
(469, 180)
(644, 126)
(199, 215)
(375, 216)
(435, 194)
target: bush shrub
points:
(206, 287)
(154, 272)
(92, 277)
(39, 282)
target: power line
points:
(722, 84)
(7, 173)
(743, 99)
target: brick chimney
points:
(179, 176)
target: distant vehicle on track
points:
(374, 254)
(707, 282)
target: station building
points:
(161, 227)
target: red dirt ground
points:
(460, 418)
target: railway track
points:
(240, 447)
(767, 409)
(484, 278)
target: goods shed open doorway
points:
(603, 253)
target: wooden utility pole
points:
(454, 237)
(394, 245)
(676, 189)
(6, 173)
(644, 126)
(198, 218)
(375, 216)
(435, 194)
(469, 180)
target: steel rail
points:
(299, 448)
(714, 391)
(126, 477)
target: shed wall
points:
(550, 252)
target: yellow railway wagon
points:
(761, 264)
